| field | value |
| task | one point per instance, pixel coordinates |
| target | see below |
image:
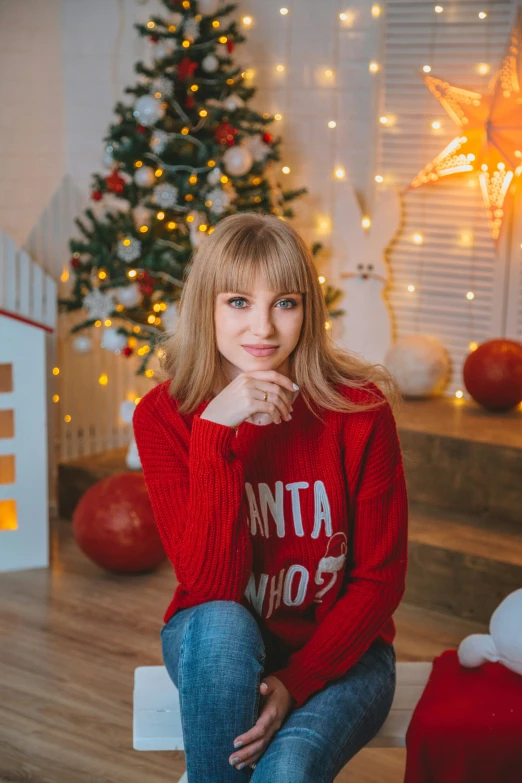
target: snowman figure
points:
(359, 254)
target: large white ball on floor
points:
(148, 110)
(420, 365)
(238, 161)
(144, 177)
(113, 340)
(82, 344)
(208, 7)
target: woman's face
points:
(259, 317)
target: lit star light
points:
(491, 142)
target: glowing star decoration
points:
(491, 142)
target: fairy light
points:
(411, 288)
(482, 15)
(366, 222)
(65, 275)
(131, 273)
(473, 346)
(383, 120)
(435, 125)
(103, 380)
(321, 279)
(286, 170)
(107, 322)
(283, 11)
(376, 10)
(247, 21)
(483, 68)
(426, 68)
(56, 398)
(373, 67)
(439, 9)
(340, 173)
(160, 215)
(470, 295)
(97, 324)
(379, 178)
(280, 68)
(67, 419)
(138, 164)
(332, 124)
(56, 371)
(418, 239)
(459, 394)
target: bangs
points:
(261, 256)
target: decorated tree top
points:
(183, 154)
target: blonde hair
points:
(242, 248)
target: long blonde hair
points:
(242, 248)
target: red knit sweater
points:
(303, 523)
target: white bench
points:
(157, 718)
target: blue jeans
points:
(215, 655)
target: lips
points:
(260, 351)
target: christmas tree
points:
(185, 152)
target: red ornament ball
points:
(493, 374)
(267, 138)
(114, 526)
(128, 351)
(75, 262)
(96, 195)
(141, 129)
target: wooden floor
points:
(71, 637)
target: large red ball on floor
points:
(113, 524)
(493, 374)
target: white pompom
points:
(420, 364)
(476, 649)
(144, 176)
(148, 110)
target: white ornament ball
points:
(214, 176)
(233, 102)
(129, 295)
(108, 159)
(112, 340)
(144, 176)
(82, 344)
(142, 215)
(148, 110)
(208, 7)
(127, 409)
(238, 161)
(210, 63)
(420, 364)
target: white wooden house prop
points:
(27, 317)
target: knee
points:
(222, 633)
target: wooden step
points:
(458, 566)
(461, 457)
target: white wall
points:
(32, 132)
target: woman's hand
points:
(244, 397)
(277, 704)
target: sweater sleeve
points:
(376, 583)
(197, 496)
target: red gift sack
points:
(467, 726)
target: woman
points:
(286, 526)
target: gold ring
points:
(266, 396)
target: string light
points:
(283, 11)
(439, 9)
(376, 10)
(247, 21)
(459, 394)
(280, 68)
(473, 346)
(470, 295)
(56, 370)
(426, 68)
(340, 172)
(383, 120)
(67, 419)
(56, 398)
(482, 14)
(378, 178)
(103, 380)
(332, 124)
(285, 170)
(374, 67)
(366, 222)
(435, 125)
(411, 288)
(483, 68)
(418, 239)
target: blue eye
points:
(242, 299)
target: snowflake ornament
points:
(257, 147)
(99, 306)
(220, 200)
(159, 141)
(129, 249)
(166, 195)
